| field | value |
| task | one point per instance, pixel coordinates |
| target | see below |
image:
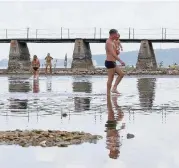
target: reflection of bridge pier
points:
(146, 88)
(82, 103)
(20, 86)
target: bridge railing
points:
(93, 33)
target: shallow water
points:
(147, 108)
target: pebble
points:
(43, 144)
(64, 114)
(129, 136)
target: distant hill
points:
(168, 56)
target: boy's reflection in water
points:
(112, 134)
(35, 85)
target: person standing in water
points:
(48, 59)
(110, 63)
(35, 66)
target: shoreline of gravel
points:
(97, 71)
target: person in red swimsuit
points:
(35, 66)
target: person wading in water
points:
(110, 63)
(35, 66)
(48, 59)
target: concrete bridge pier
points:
(82, 58)
(146, 57)
(19, 57)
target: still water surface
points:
(147, 108)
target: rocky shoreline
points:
(49, 138)
(100, 71)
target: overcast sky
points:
(82, 17)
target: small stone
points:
(17, 130)
(45, 133)
(34, 143)
(62, 145)
(43, 144)
(64, 115)
(129, 136)
(37, 131)
(22, 142)
(50, 143)
(97, 137)
(77, 141)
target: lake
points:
(147, 108)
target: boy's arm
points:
(116, 45)
(118, 51)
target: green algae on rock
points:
(49, 138)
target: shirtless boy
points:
(110, 63)
(118, 44)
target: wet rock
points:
(45, 138)
(129, 136)
(22, 142)
(43, 144)
(103, 71)
(37, 131)
(64, 115)
(45, 133)
(62, 145)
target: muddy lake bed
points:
(147, 108)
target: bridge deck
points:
(90, 40)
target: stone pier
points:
(82, 58)
(19, 57)
(146, 57)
